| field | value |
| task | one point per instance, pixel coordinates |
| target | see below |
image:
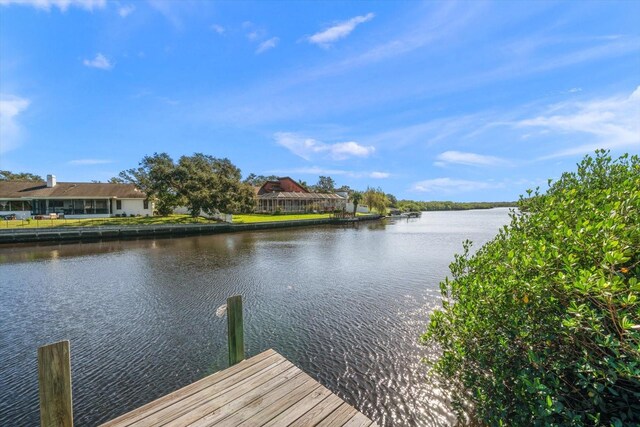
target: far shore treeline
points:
(413, 206)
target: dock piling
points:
(235, 329)
(54, 377)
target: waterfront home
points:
(25, 199)
(287, 196)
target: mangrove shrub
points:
(541, 326)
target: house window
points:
(118, 204)
(145, 204)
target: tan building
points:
(71, 199)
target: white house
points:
(73, 199)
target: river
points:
(345, 304)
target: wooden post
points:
(235, 329)
(54, 376)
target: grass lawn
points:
(152, 220)
(96, 222)
(251, 218)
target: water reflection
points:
(346, 304)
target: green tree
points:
(156, 177)
(19, 176)
(393, 202)
(211, 185)
(356, 198)
(258, 180)
(377, 200)
(541, 326)
(325, 184)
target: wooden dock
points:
(265, 390)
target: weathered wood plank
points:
(288, 415)
(220, 380)
(54, 376)
(319, 412)
(277, 400)
(235, 329)
(264, 390)
(219, 415)
(358, 420)
(338, 417)
(211, 407)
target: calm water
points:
(347, 305)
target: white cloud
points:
(253, 32)
(449, 185)
(127, 10)
(60, 4)
(316, 170)
(267, 44)
(344, 150)
(379, 175)
(100, 61)
(308, 147)
(609, 123)
(10, 129)
(469, 159)
(255, 35)
(170, 10)
(338, 31)
(218, 28)
(88, 162)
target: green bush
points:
(541, 326)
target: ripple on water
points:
(347, 305)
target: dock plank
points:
(358, 420)
(265, 390)
(219, 409)
(339, 417)
(261, 360)
(306, 403)
(189, 408)
(319, 412)
(268, 406)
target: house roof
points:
(68, 190)
(284, 184)
(300, 196)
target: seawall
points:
(51, 234)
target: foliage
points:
(200, 182)
(356, 198)
(376, 199)
(542, 325)
(155, 176)
(257, 180)
(325, 184)
(393, 201)
(19, 176)
(415, 206)
(211, 185)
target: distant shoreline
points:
(410, 205)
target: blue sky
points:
(462, 101)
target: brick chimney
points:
(51, 181)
